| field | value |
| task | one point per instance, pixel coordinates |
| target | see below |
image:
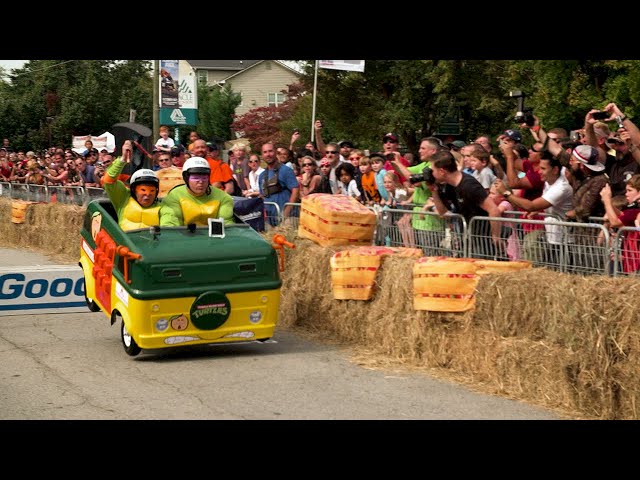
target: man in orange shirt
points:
(221, 175)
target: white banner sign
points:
(187, 97)
(45, 289)
(351, 65)
(106, 140)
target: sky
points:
(9, 64)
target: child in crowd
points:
(507, 230)
(377, 165)
(625, 216)
(164, 143)
(396, 194)
(479, 162)
(370, 193)
(347, 184)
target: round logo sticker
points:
(210, 310)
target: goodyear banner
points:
(45, 289)
(178, 94)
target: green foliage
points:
(80, 96)
(216, 111)
(410, 97)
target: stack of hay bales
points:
(331, 220)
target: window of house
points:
(275, 99)
(202, 76)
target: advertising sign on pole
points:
(178, 94)
(351, 65)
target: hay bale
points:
(354, 271)
(19, 210)
(331, 220)
(561, 341)
(443, 284)
(50, 228)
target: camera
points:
(390, 156)
(426, 176)
(523, 114)
(575, 136)
(600, 115)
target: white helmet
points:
(195, 165)
(143, 176)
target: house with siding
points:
(259, 82)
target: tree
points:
(216, 109)
(270, 124)
(80, 96)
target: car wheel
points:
(93, 306)
(129, 344)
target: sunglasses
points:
(164, 159)
(253, 161)
(330, 152)
(355, 158)
(325, 166)
(388, 140)
(199, 177)
(307, 164)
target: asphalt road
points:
(73, 366)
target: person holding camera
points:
(625, 143)
(428, 229)
(390, 143)
(457, 192)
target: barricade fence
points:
(571, 247)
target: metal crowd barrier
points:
(272, 220)
(436, 237)
(626, 252)
(581, 248)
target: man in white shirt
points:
(556, 199)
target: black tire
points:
(93, 306)
(129, 344)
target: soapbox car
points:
(176, 286)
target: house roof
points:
(259, 62)
(230, 65)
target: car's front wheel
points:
(129, 344)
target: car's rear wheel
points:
(93, 306)
(129, 344)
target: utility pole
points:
(156, 100)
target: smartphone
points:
(600, 115)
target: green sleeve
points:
(115, 168)
(117, 192)
(226, 208)
(170, 211)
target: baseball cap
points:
(324, 162)
(345, 143)
(588, 156)
(212, 145)
(613, 141)
(458, 143)
(513, 134)
(390, 135)
(177, 150)
(89, 152)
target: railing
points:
(580, 248)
